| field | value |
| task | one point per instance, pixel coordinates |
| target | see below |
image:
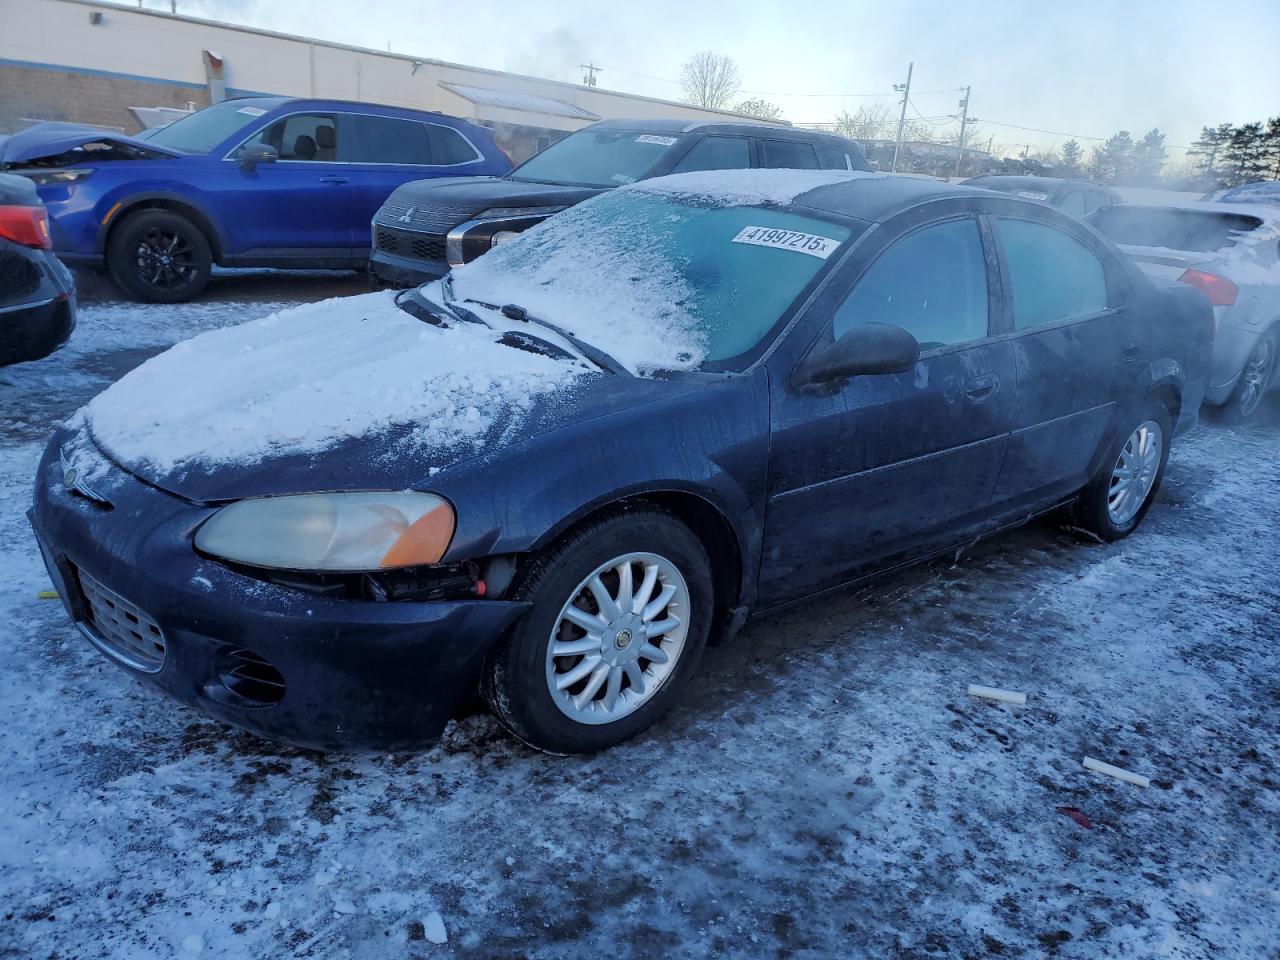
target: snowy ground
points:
(829, 791)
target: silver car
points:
(1232, 253)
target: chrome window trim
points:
(479, 155)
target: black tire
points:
(158, 256)
(1092, 513)
(515, 681)
(1256, 378)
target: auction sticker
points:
(653, 138)
(810, 243)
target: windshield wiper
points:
(604, 361)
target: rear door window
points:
(716, 153)
(368, 139)
(299, 137)
(788, 155)
(1053, 276)
(1073, 204)
(932, 283)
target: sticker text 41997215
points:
(810, 243)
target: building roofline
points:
(122, 6)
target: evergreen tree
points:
(1148, 158)
(1113, 161)
(1246, 155)
(1072, 158)
(1208, 150)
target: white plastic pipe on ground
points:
(991, 693)
(1097, 766)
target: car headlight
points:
(55, 176)
(331, 532)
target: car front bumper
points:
(405, 271)
(353, 675)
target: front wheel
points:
(621, 612)
(1119, 495)
(158, 256)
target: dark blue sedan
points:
(559, 472)
(254, 182)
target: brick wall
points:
(46, 93)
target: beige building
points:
(91, 62)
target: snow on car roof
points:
(746, 188)
(305, 379)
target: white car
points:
(1230, 251)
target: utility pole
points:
(902, 119)
(590, 79)
(964, 122)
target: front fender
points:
(115, 203)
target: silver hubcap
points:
(1135, 472)
(1256, 375)
(618, 638)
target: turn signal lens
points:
(1220, 291)
(331, 532)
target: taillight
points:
(28, 226)
(1220, 291)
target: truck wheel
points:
(158, 256)
(621, 612)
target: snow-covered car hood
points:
(352, 393)
(474, 194)
(52, 139)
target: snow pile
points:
(304, 379)
(748, 188)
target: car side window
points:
(716, 153)
(932, 283)
(1096, 201)
(788, 154)
(1073, 204)
(448, 146)
(369, 139)
(302, 136)
(1053, 276)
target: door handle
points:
(981, 388)
(333, 178)
(1132, 350)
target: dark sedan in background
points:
(37, 294)
(426, 227)
(1076, 198)
(805, 383)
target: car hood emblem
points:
(71, 479)
(407, 216)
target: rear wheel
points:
(1255, 380)
(1119, 495)
(159, 256)
(621, 612)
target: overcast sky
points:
(1083, 67)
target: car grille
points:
(433, 217)
(120, 629)
(422, 246)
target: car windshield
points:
(661, 281)
(205, 129)
(597, 158)
(1196, 230)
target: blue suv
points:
(254, 182)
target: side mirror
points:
(251, 156)
(868, 349)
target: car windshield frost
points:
(205, 129)
(597, 158)
(660, 281)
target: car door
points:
(296, 210)
(383, 152)
(1075, 350)
(895, 466)
(715, 152)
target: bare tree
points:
(868, 123)
(710, 80)
(759, 107)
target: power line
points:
(1060, 133)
